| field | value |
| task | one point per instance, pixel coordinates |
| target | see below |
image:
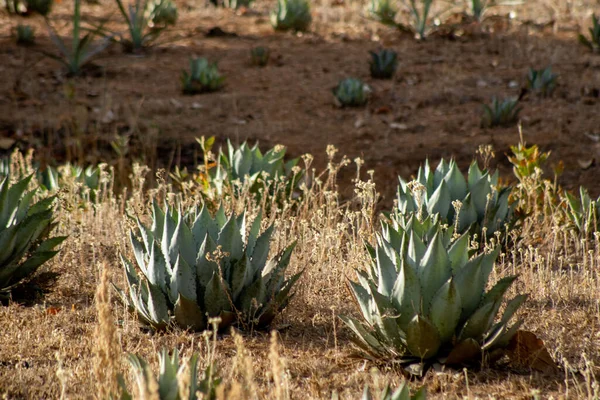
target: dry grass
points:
(76, 333)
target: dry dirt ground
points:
(430, 109)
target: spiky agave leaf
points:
(483, 203)
(583, 213)
(24, 230)
(383, 64)
(193, 266)
(437, 308)
(291, 15)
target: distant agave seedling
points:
(483, 204)
(24, 230)
(423, 300)
(583, 212)
(203, 77)
(500, 113)
(25, 35)
(383, 64)
(191, 267)
(542, 82)
(260, 55)
(351, 92)
(172, 376)
(593, 43)
(291, 15)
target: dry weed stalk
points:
(278, 370)
(243, 367)
(106, 349)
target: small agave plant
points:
(260, 55)
(542, 82)
(351, 92)
(173, 378)
(383, 11)
(24, 230)
(163, 13)
(401, 393)
(52, 179)
(248, 165)
(423, 299)
(500, 113)
(593, 43)
(192, 267)
(482, 203)
(202, 78)
(25, 35)
(291, 15)
(583, 212)
(383, 64)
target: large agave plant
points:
(423, 299)
(193, 267)
(251, 167)
(171, 378)
(483, 203)
(24, 228)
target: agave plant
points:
(583, 212)
(171, 381)
(500, 113)
(25, 35)
(383, 11)
(383, 64)
(482, 203)
(235, 4)
(291, 15)
(594, 41)
(258, 171)
(351, 92)
(423, 299)
(260, 55)
(163, 13)
(203, 77)
(401, 393)
(81, 50)
(542, 82)
(52, 179)
(194, 267)
(24, 228)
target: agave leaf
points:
(458, 254)
(253, 234)
(470, 285)
(189, 315)
(157, 268)
(434, 268)
(386, 271)
(183, 242)
(183, 281)
(464, 352)
(240, 274)
(503, 340)
(480, 322)
(8, 241)
(474, 175)
(445, 310)
(157, 305)
(416, 251)
(253, 297)
(205, 269)
(457, 184)
(467, 215)
(406, 294)
(363, 298)
(479, 193)
(497, 292)
(366, 340)
(422, 338)
(385, 318)
(512, 307)
(261, 249)
(217, 296)
(440, 201)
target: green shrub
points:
(260, 55)
(351, 92)
(24, 231)
(291, 15)
(500, 113)
(194, 267)
(383, 64)
(423, 299)
(383, 11)
(202, 78)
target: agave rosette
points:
(583, 212)
(423, 298)
(483, 203)
(193, 267)
(24, 228)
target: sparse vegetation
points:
(383, 11)
(203, 77)
(383, 64)
(500, 113)
(351, 92)
(541, 82)
(25, 35)
(291, 15)
(260, 55)
(593, 42)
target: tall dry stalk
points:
(106, 349)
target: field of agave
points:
(143, 257)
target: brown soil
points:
(430, 109)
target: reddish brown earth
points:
(430, 109)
